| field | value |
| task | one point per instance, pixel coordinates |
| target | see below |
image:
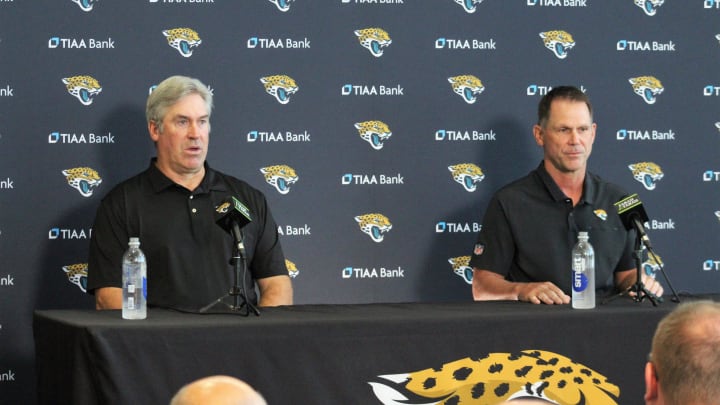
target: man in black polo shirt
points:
(524, 248)
(171, 208)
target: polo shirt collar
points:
(210, 182)
(590, 186)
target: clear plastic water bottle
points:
(134, 281)
(583, 273)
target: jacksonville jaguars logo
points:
(374, 40)
(467, 86)
(291, 268)
(83, 179)
(498, 377)
(84, 88)
(461, 267)
(601, 213)
(374, 132)
(280, 86)
(559, 42)
(85, 5)
(467, 174)
(647, 87)
(280, 176)
(77, 274)
(282, 5)
(374, 225)
(647, 173)
(652, 265)
(649, 6)
(184, 40)
(469, 5)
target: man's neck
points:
(189, 180)
(570, 183)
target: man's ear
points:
(153, 130)
(537, 134)
(651, 384)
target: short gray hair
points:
(169, 92)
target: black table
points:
(342, 354)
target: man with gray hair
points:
(218, 390)
(684, 363)
(171, 208)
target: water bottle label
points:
(131, 288)
(145, 287)
(131, 303)
(580, 281)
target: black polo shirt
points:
(188, 255)
(530, 228)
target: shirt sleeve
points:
(495, 248)
(107, 246)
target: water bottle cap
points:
(582, 234)
(134, 241)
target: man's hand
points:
(542, 293)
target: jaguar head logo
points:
(647, 173)
(374, 132)
(282, 5)
(467, 86)
(280, 176)
(469, 5)
(652, 265)
(374, 225)
(280, 86)
(647, 87)
(649, 6)
(77, 274)
(461, 267)
(84, 88)
(291, 268)
(85, 5)
(83, 179)
(374, 39)
(559, 42)
(184, 40)
(467, 174)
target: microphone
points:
(232, 215)
(633, 216)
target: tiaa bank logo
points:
(77, 275)
(647, 173)
(374, 132)
(558, 42)
(374, 40)
(374, 225)
(291, 268)
(84, 179)
(282, 5)
(461, 267)
(280, 176)
(470, 6)
(647, 87)
(85, 5)
(467, 174)
(467, 86)
(711, 4)
(84, 88)
(280, 86)
(184, 40)
(650, 7)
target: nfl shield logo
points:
(479, 249)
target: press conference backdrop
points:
(378, 129)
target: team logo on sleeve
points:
(499, 377)
(374, 40)
(184, 40)
(77, 274)
(467, 86)
(85, 5)
(467, 174)
(375, 225)
(84, 88)
(291, 268)
(647, 173)
(280, 86)
(649, 6)
(374, 133)
(461, 267)
(282, 5)
(469, 5)
(280, 176)
(647, 87)
(559, 42)
(83, 179)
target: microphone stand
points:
(238, 291)
(639, 287)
